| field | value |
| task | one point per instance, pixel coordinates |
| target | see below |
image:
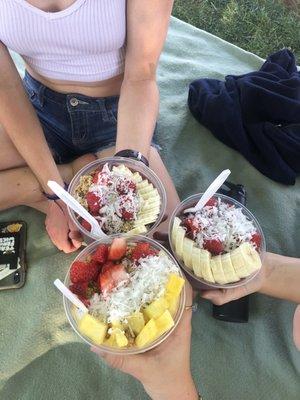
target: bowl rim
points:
(132, 350)
(131, 164)
(210, 285)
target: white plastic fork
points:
(78, 208)
(69, 295)
(209, 192)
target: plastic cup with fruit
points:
(133, 290)
(219, 246)
(123, 195)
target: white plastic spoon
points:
(71, 296)
(77, 207)
(210, 191)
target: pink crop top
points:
(84, 43)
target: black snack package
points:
(12, 254)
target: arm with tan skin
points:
(279, 277)
(22, 126)
(147, 25)
(164, 371)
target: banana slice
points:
(217, 270)
(137, 177)
(147, 214)
(137, 230)
(149, 205)
(187, 252)
(196, 261)
(245, 260)
(175, 228)
(228, 269)
(145, 189)
(179, 241)
(145, 221)
(205, 258)
(152, 194)
(143, 184)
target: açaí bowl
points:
(70, 309)
(200, 283)
(134, 166)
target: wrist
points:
(182, 388)
(134, 154)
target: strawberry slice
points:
(214, 246)
(80, 289)
(212, 202)
(127, 215)
(125, 185)
(117, 249)
(256, 240)
(93, 202)
(84, 272)
(102, 178)
(107, 266)
(111, 277)
(192, 226)
(101, 253)
(85, 225)
(142, 250)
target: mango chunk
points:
(136, 322)
(147, 334)
(156, 308)
(173, 289)
(172, 304)
(117, 338)
(164, 323)
(92, 328)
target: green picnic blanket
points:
(42, 358)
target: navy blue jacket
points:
(257, 114)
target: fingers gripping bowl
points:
(134, 292)
(220, 246)
(123, 195)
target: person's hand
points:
(62, 231)
(222, 296)
(165, 370)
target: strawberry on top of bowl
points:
(220, 243)
(132, 291)
(120, 199)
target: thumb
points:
(75, 238)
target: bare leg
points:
(157, 165)
(18, 184)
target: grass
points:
(259, 26)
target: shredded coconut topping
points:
(223, 222)
(116, 193)
(146, 283)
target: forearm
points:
(21, 124)
(282, 277)
(137, 115)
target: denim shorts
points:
(73, 124)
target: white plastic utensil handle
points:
(210, 191)
(77, 207)
(71, 296)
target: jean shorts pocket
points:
(32, 94)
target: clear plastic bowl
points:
(199, 283)
(70, 308)
(134, 166)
